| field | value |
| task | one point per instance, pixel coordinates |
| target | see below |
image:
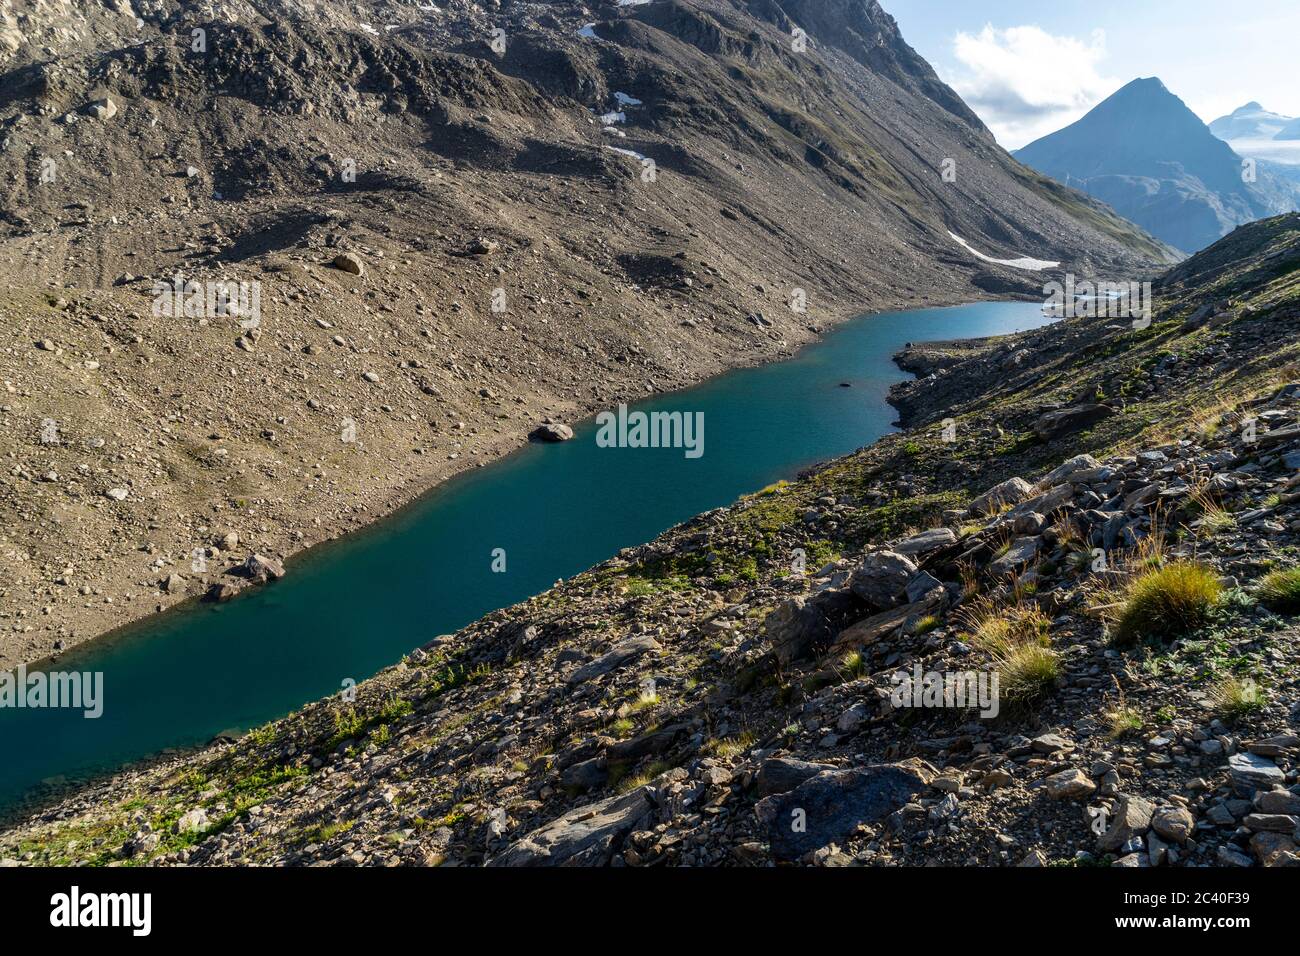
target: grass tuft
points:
(852, 666)
(1123, 720)
(1235, 697)
(1166, 602)
(1280, 591)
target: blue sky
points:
(1029, 68)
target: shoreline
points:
(411, 494)
(27, 806)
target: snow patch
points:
(628, 152)
(625, 101)
(589, 31)
(1033, 265)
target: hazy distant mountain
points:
(1290, 131)
(1251, 121)
(1157, 164)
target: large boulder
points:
(782, 774)
(102, 110)
(878, 626)
(223, 591)
(1132, 818)
(1000, 496)
(552, 432)
(806, 624)
(881, 579)
(1064, 421)
(927, 542)
(1072, 784)
(1175, 824)
(1021, 552)
(261, 569)
(1070, 470)
(624, 652)
(1045, 504)
(827, 808)
(1250, 772)
(1275, 850)
(585, 836)
(349, 263)
(587, 775)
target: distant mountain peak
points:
(1147, 154)
(1150, 86)
(1251, 121)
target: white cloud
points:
(1025, 82)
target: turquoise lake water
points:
(352, 607)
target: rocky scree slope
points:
(441, 171)
(1129, 574)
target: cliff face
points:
(595, 203)
(863, 30)
(1115, 541)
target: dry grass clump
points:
(1235, 697)
(1215, 518)
(1016, 637)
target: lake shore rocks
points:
(552, 432)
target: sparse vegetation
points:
(1122, 720)
(646, 776)
(926, 624)
(729, 746)
(1234, 697)
(1214, 518)
(852, 665)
